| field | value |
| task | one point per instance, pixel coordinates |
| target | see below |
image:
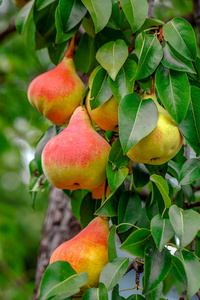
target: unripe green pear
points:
(106, 115)
(162, 144)
(57, 93)
(77, 157)
(87, 251)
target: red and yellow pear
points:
(162, 144)
(58, 92)
(87, 251)
(77, 157)
(106, 115)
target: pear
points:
(87, 251)
(77, 157)
(162, 144)
(106, 115)
(58, 92)
(98, 192)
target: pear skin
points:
(98, 192)
(58, 92)
(87, 251)
(162, 144)
(106, 115)
(77, 157)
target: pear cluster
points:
(77, 157)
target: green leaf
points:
(190, 127)
(162, 231)
(112, 253)
(136, 297)
(40, 4)
(185, 224)
(50, 133)
(61, 279)
(100, 293)
(71, 13)
(100, 91)
(180, 34)
(129, 209)
(61, 36)
(149, 58)
(112, 56)
(163, 188)
(177, 269)
(173, 60)
(115, 176)
(87, 209)
(115, 293)
(140, 175)
(38, 181)
(156, 293)
(113, 272)
(190, 171)
(135, 12)
(25, 24)
(124, 82)
(156, 267)
(76, 198)
(136, 242)
(132, 113)
(85, 54)
(116, 156)
(174, 91)
(192, 267)
(151, 23)
(100, 12)
(109, 207)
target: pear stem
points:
(70, 51)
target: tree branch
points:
(151, 9)
(60, 225)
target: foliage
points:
(169, 214)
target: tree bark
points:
(60, 225)
(151, 9)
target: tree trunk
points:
(60, 225)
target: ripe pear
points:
(87, 251)
(162, 144)
(57, 93)
(106, 115)
(77, 157)
(98, 192)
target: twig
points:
(198, 294)
(192, 205)
(151, 9)
(184, 295)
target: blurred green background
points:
(21, 127)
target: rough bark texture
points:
(60, 225)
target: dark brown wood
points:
(60, 225)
